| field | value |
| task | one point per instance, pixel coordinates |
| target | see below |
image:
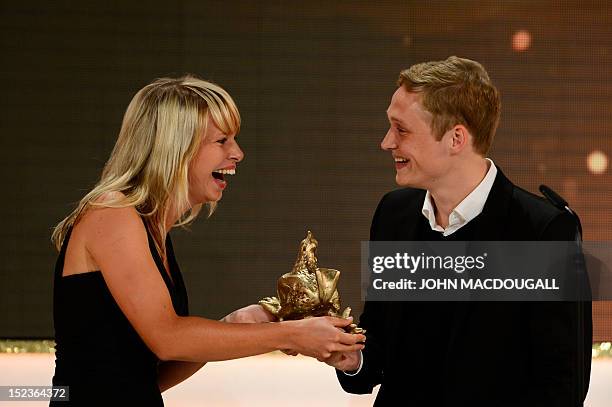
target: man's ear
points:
(460, 138)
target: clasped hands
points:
(319, 327)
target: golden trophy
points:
(308, 290)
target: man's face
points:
(420, 160)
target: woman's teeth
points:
(226, 172)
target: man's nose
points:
(388, 142)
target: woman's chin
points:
(213, 196)
(206, 197)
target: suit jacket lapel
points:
(491, 226)
(408, 223)
(493, 223)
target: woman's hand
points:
(320, 337)
(250, 314)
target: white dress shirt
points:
(468, 209)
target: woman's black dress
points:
(99, 355)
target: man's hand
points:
(345, 361)
(250, 314)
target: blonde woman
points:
(120, 306)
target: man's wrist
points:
(355, 372)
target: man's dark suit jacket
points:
(470, 353)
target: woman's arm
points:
(117, 240)
(173, 372)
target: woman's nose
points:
(236, 153)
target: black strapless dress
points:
(99, 355)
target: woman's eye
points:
(222, 141)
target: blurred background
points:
(312, 81)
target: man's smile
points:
(400, 162)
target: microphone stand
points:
(583, 285)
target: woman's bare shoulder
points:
(97, 229)
(100, 224)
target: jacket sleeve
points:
(371, 372)
(560, 339)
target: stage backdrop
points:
(312, 82)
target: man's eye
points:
(222, 141)
(400, 130)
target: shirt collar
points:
(469, 208)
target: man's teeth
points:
(226, 172)
(401, 160)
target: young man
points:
(443, 118)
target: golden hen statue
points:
(308, 291)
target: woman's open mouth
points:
(219, 176)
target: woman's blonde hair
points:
(149, 165)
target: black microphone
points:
(556, 199)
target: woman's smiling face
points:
(215, 159)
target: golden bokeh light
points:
(597, 162)
(521, 40)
